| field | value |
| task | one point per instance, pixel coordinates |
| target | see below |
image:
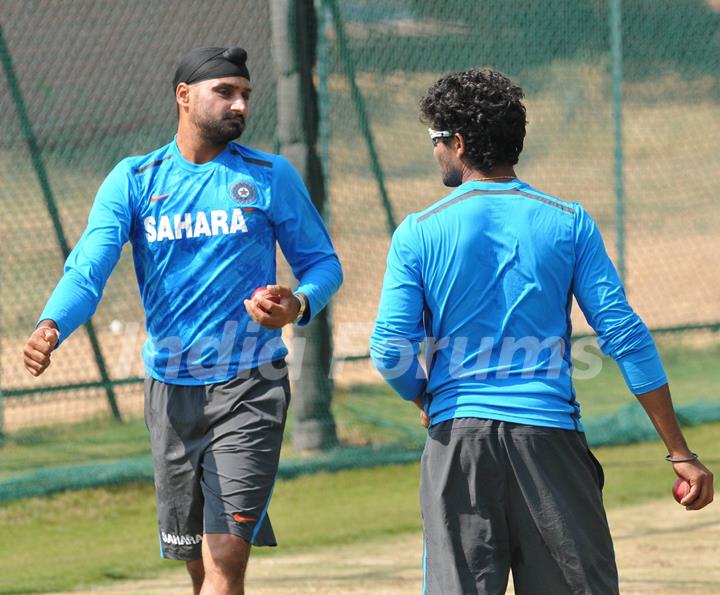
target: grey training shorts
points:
(499, 497)
(215, 452)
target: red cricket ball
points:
(680, 489)
(264, 292)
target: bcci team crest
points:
(243, 192)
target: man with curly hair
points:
(486, 277)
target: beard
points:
(451, 177)
(222, 131)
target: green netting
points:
(94, 80)
(631, 424)
(560, 52)
(628, 425)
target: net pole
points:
(44, 181)
(2, 420)
(616, 59)
(359, 102)
(294, 26)
(323, 72)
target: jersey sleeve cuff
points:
(642, 370)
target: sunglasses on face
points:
(437, 135)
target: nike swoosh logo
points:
(240, 519)
(158, 197)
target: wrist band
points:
(302, 298)
(693, 457)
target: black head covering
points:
(201, 64)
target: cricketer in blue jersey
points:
(485, 277)
(204, 215)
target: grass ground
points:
(645, 537)
(108, 534)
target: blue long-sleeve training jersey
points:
(203, 238)
(486, 277)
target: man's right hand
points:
(39, 347)
(424, 417)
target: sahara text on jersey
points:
(194, 225)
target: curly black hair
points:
(486, 108)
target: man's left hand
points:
(700, 479)
(270, 314)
